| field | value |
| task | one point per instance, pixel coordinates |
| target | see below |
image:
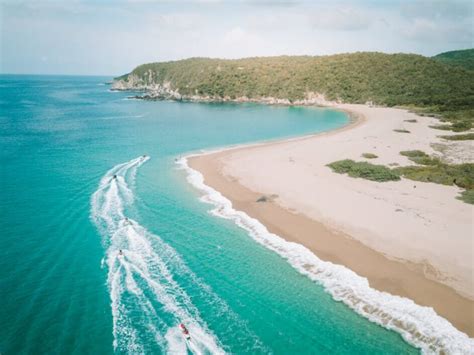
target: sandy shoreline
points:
(302, 206)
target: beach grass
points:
(401, 130)
(370, 156)
(364, 170)
(411, 120)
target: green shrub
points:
(369, 156)
(461, 126)
(413, 153)
(443, 127)
(461, 175)
(458, 126)
(467, 196)
(401, 131)
(364, 170)
(459, 137)
(412, 120)
(419, 157)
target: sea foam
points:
(418, 325)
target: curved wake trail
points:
(148, 303)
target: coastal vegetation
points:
(434, 170)
(364, 170)
(428, 169)
(459, 137)
(420, 157)
(462, 58)
(401, 130)
(369, 156)
(431, 86)
(456, 126)
(467, 196)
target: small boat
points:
(185, 332)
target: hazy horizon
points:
(110, 39)
(283, 55)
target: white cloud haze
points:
(112, 37)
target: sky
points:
(111, 37)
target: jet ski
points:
(185, 332)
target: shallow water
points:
(65, 287)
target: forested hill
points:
(385, 79)
(463, 58)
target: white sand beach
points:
(423, 236)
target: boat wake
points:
(419, 326)
(148, 303)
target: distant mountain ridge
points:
(463, 58)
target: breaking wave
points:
(418, 325)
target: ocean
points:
(105, 246)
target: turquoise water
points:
(65, 288)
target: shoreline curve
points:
(328, 244)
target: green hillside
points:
(384, 79)
(462, 58)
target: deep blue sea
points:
(106, 248)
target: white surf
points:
(418, 325)
(147, 302)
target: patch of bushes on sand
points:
(401, 131)
(459, 137)
(364, 170)
(460, 114)
(458, 126)
(467, 196)
(369, 156)
(430, 170)
(419, 157)
(413, 153)
(434, 170)
(461, 175)
(411, 121)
